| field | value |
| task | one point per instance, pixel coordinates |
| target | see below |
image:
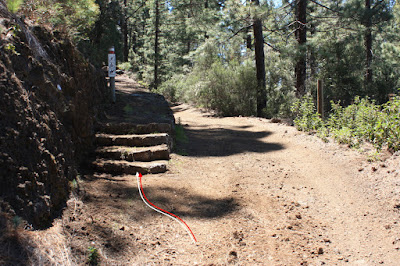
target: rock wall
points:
(50, 97)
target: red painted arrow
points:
(171, 215)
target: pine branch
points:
(273, 48)
(321, 5)
(378, 4)
(132, 14)
(241, 29)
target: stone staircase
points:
(127, 148)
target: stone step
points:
(144, 154)
(136, 129)
(133, 140)
(124, 167)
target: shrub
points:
(229, 88)
(13, 5)
(361, 121)
(306, 119)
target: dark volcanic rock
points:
(49, 101)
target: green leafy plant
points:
(13, 5)
(11, 48)
(128, 109)
(373, 156)
(74, 184)
(306, 119)
(93, 257)
(352, 125)
(181, 139)
(16, 221)
(126, 66)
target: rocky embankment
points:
(49, 102)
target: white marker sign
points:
(112, 68)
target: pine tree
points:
(301, 38)
(260, 62)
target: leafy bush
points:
(388, 127)
(126, 66)
(359, 122)
(306, 119)
(13, 5)
(75, 17)
(229, 87)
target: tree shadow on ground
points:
(14, 246)
(123, 196)
(225, 142)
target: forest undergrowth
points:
(363, 121)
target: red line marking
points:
(141, 188)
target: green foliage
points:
(361, 121)
(306, 119)
(16, 221)
(228, 87)
(104, 33)
(74, 185)
(128, 109)
(93, 257)
(74, 17)
(180, 138)
(279, 85)
(92, 24)
(14, 5)
(11, 48)
(180, 135)
(206, 48)
(388, 126)
(126, 66)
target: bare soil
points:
(252, 192)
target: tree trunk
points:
(156, 44)
(248, 39)
(368, 43)
(301, 37)
(124, 28)
(260, 63)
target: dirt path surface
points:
(252, 192)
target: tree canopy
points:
(209, 52)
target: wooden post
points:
(320, 98)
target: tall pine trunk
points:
(156, 44)
(260, 63)
(125, 33)
(301, 37)
(368, 44)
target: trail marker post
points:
(112, 69)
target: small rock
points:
(320, 251)
(122, 228)
(298, 216)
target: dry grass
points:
(51, 247)
(22, 247)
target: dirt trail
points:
(252, 192)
